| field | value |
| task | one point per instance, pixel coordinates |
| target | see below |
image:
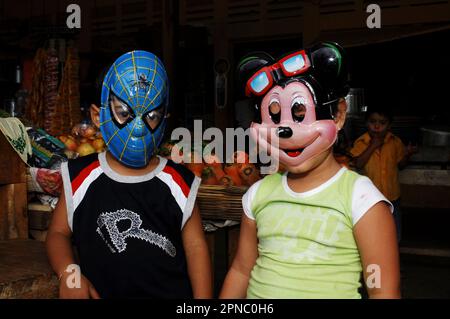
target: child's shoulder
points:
(267, 182)
(350, 173)
(84, 160)
(394, 138)
(272, 178)
(365, 137)
(80, 163)
(350, 177)
(179, 168)
(178, 172)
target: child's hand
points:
(376, 141)
(410, 149)
(86, 290)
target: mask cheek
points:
(260, 135)
(328, 131)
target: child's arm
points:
(236, 281)
(406, 154)
(377, 243)
(60, 254)
(364, 157)
(197, 256)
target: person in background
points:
(380, 154)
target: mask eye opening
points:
(274, 110)
(112, 96)
(298, 110)
(161, 112)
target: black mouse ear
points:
(330, 68)
(250, 64)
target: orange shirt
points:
(382, 167)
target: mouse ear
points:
(250, 64)
(330, 69)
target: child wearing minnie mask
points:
(311, 231)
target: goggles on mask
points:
(291, 65)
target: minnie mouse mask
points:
(297, 97)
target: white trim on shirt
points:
(365, 195)
(315, 190)
(248, 198)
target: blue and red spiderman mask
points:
(134, 107)
(297, 97)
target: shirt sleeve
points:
(365, 195)
(248, 198)
(183, 185)
(67, 188)
(358, 147)
(190, 202)
(399, 149)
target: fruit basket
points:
(221, 202)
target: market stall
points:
(51, 74)
(44, 106)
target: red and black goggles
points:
(291, 65)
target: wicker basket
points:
(221, 202)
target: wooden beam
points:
(311, 25)
(404, 15)
(221, 51)
(170, 18)
(424, 196)
(275, 28)
(435, 252)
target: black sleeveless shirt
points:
(127, 229)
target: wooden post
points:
(311, 22)
(13, 194)
(168, 27)
(221, 51)
(170, 17)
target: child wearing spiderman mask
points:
(130, 214)
(311, 231)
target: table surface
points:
(25, 271)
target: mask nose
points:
(284, 132)
(138, 127)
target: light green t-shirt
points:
(305, 240)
